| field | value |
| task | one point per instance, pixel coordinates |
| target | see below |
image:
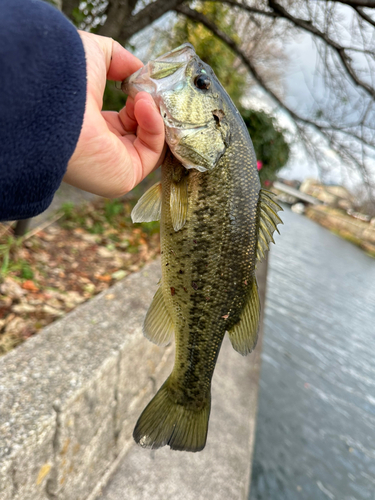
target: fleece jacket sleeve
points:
(42, 103)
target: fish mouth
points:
(183, 53)
(170, 65)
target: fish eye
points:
(202, 82)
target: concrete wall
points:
(70, 396)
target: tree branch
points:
(116, 13)
(358, 3)
(201, 18)
(280, 12)
(365, 16)
(340, 51)
(276, 15)
(146, 16)
(248, 8)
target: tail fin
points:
(165, 422)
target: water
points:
(316, 420)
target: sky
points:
(301, 71)
(302, 56)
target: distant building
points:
(292, 183)
(334, 196)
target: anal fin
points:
(158, 325)
(148, 208)
(244, 334)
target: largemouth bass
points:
(216, 222)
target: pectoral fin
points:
(268, 221)
(148, 208)
(179, 203)
(158, 325)
(244, 334)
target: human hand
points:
(115, 151)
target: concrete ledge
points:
(69, 399)
(222, 470)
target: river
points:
(316, 418)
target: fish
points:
(216, 223)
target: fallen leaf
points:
(104, 252)
(104, 277)
(30, 285)
(118, 275)
(89, 288)
(55, 303)
(90, 238)
(5, 302)
(45, 236)
(73, 297)
(51, 310)
(11, 289)
(15, 325)
(23, 308)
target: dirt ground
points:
(60, 265)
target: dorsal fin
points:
(268, 220)
(148, 208)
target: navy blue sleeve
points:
(42, 103)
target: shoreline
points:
(360, 233)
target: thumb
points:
(119, 62)
(105, 58)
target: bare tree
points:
(343, 116)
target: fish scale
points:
(212, 211)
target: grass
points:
(8, 248)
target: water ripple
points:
(316, 421)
